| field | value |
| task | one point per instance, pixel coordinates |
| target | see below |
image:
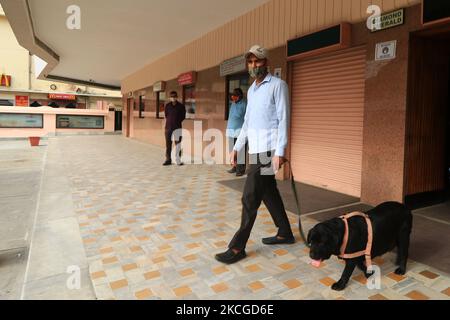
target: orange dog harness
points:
(367, 251)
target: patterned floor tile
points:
(151, 233)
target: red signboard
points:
(5, 80)
(187, 78)
(59, 96)
(22, 101)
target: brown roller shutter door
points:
(327, 120)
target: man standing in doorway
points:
(266, 128)
(235, 122)
(175, 113)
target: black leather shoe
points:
(167, 163)
(276, 240)
(230, 257)
(239, 174)
(232, 170)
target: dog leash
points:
(294, 191)
(297, 203)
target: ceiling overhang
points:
(116, 37)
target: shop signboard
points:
(5, 80)
(232, 66)
(187, 78)
(388, 20)
(159, 86)
(22, 101)
(60, 96)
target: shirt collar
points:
(266, 79)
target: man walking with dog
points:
(266, 129)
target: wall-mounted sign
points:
(388, 20)
(187, 78)
(319, 42)
(386, 50)
(59, 96)
(159, 86)
(277, 72)
(232, 66)
(21, 120)
(5, 80)
(22, 101)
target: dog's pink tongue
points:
(316, 263)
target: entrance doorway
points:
(118, 120)
(130, 108)
(427, 153)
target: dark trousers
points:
(177, 138)
(241, 160)
(260, 188)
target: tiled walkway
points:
(151, 233)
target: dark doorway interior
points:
(448, 142)
(118, 121)
(427, 159)
(427, 153)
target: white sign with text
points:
(386, 50)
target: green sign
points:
(388, 20)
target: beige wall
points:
(270, 25)
(210, 102)
(13, 58)
(384, 112)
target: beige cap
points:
(258, 51)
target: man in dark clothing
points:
(175, 113)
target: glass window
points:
(80, 122)
(162, 104)
(189, 101)
(5, 102)
(141, 106)
(242, 81)
(20, 120)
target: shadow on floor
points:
(430, 243)
(440, 211)
(311, 198)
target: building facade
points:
(20, 90)
(369, 106)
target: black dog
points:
(391, 224)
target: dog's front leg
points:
(362, 266)
(348, 271)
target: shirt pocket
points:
(268, 107)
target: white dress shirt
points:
(267, 117)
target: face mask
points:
(257, 72)
(173, 99)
